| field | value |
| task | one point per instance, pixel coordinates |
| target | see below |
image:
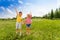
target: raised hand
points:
(16, 11)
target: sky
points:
(36, 7)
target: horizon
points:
(37, 7)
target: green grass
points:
(41, 29)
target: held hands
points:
(23, 22)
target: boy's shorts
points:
(18, 25)
(28, 25)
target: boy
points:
(18, 22)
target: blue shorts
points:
(28, 25)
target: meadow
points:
(41, 29)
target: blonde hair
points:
(28, 15)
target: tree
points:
(52, 14)
(57, 14)
(45, 16)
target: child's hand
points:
(22, 22)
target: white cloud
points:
(9, 0)
(3, 0)
(2, 8)
(9, 11)
(28, 3)
(20, 1)
(20, 7)
(37, 10)
(58, 3)
(11, 5)
(12, 0)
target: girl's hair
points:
(28, 15)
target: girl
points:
(28, 22)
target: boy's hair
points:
(20, 12)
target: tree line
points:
(53, 14)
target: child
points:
(28, 22)
(18, 22)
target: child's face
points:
(28, 15)
(20, 14)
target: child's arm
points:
(16, 11)
(23, 21)
(30, 14)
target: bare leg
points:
(27, 31)
(20, 31)
(17, 30)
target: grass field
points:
(41, 29)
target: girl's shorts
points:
(28, 25)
